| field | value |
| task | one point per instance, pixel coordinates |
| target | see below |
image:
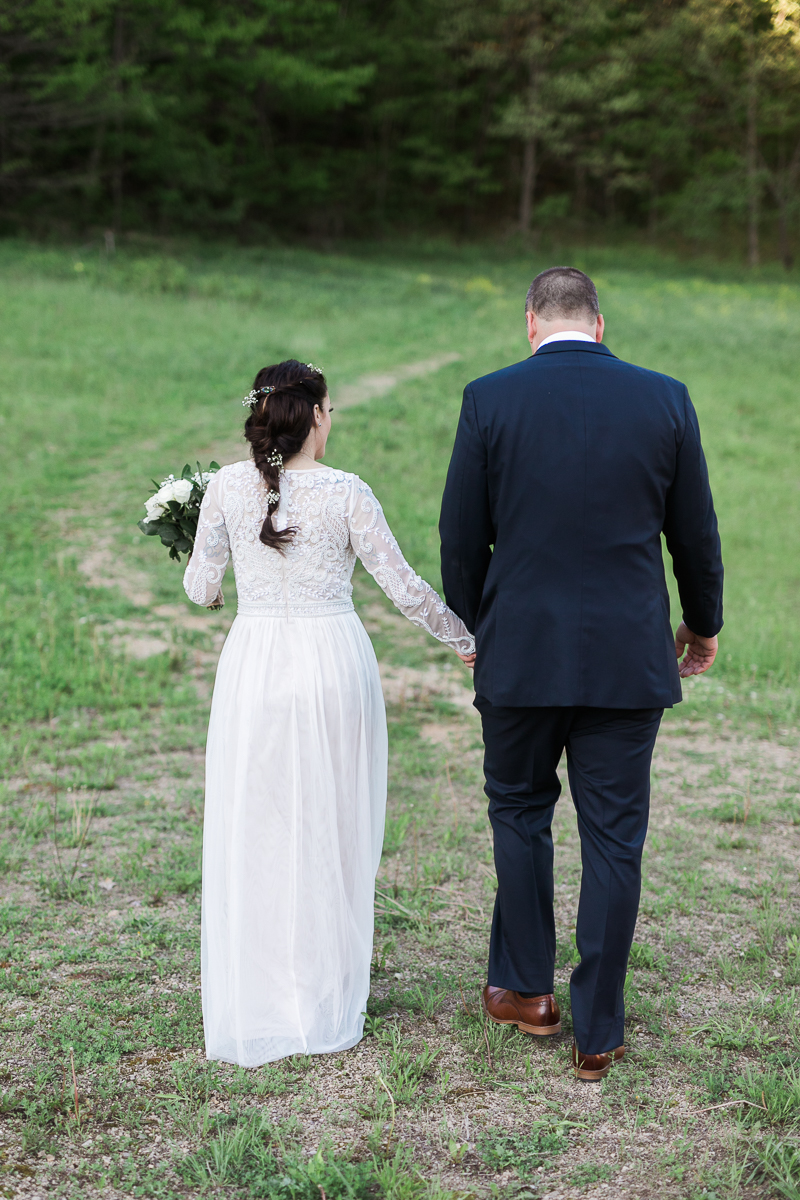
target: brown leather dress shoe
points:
(594, 1066)
(540, 1014)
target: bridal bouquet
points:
(173, 511)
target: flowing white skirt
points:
(294, 814)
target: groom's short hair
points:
(562, 292)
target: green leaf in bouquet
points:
(187, 472)
(214, 466)
(148, 527)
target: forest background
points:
(354, 118)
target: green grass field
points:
(117, 373)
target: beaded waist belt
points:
(292, 609)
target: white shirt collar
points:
(568, 335)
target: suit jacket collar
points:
(581, 347)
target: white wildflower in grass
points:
(173, 510)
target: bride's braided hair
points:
(281, 418)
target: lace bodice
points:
(337, 518)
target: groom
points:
(567, 468)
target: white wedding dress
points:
(296, 761)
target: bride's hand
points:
(217, 604)
(468, 660)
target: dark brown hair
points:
(562, 292)
(280, 422)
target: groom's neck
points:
(539, 329)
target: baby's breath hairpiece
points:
(311, 367)
(275, 459)
(273, 497)
(253, 397)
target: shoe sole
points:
(582, 1073)
(537, 1030)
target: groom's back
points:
(571, 464)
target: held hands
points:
(467, 659)
(700, 651)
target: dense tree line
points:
(356, 116)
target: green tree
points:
(747, 57)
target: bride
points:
(297, 748)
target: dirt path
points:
(371, 387)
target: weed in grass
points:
(737, 813)
(249, 1152)
(393, 913)
(792, 967)
(585, 1174)
(567, 952)
(523, 1152)
(717, 1081)
(425, 998)
(733, 843)
(736, 1032)
(647, 958)
(778, 1161)
(485, 1041)
(267, 1081)
(56, 887)
(396, 1178)
(769, 922)
(437, 868)
(403, 1068)
(395, 833)
(773, 1095)
(243, 1152)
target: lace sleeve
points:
(206, 568)
(373, 542)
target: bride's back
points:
(313, 569)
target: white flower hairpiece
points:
(273, 497)
(253, 397)
(275, 459)
(311, 367)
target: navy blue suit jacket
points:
(566, 470)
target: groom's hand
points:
(700, 651)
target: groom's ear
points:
(530, 320)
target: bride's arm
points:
(202, 581)
(374, 543)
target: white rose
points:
(165, 493)
(154, 508)
(182, 490)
